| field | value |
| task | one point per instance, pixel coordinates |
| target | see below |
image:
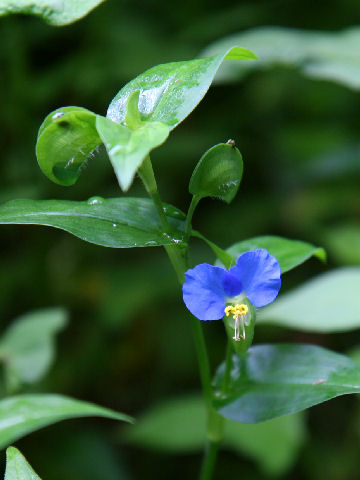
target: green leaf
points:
(66, 139)
(127, 148)
(55, 12)
(289, 253)
(275, 380)
(23, 414)
(170, 92)
(179, 426)
(331, 56)
(328, 303)
(27, 346)
(218, 173)
(17, 467)
(114, 222)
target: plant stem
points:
(194, 202)
(146, 173)
(209, 461)
(178, 257)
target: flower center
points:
(238, 312)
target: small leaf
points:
(179, 426)
(114, 222)
(328, 303)
(27, 346)
(23, 414)
(55, 12)
(289, 253)
(218, 173)
(127, 148)
(275, 380)
(66, 139)
(17, 467)
(170, 92)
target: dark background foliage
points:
(128, 343)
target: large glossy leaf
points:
(275, 380)
(23, 414)
(66, 139)
(55, 12)
(327, 303)
(289, 253)
(17, 467)
(169, 92)
(114, 222)
(27, 346)
(179, 426)
(128, 148)
(332, 56)
(218, 173)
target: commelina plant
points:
(254, 383)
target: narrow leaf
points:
(55, 12)
(289, 253)
(27, 346)
(169, 92)
(275, 380)
(23, 414)
(17, 467)
(115, 222)
(66, 139)
(128, 148)
(218, 173)
(327, 303)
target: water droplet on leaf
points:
(95, 201)
(57, 115)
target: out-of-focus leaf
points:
(23, 414)
(66, 139)
(289, 253)
(55, 12)
(343, 243)
(328, 303)
(128, 148)
(17, 467)
(170, 92)
(114, 222)
(275, 380)
(284, 434)
(218, 173)
(179, 426)
(332, 56)
(27, 346)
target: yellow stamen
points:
(238, 310)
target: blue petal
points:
(203, 291)
(259, 272)
(232, 285)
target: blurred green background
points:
(128, 344)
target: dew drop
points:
(114, 225)
(57, 115)
(95, 201)
(150, 243)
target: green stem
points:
(194, 202)
(146, 173)
(209, 461)
(178, 258)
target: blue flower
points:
(211, 292)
